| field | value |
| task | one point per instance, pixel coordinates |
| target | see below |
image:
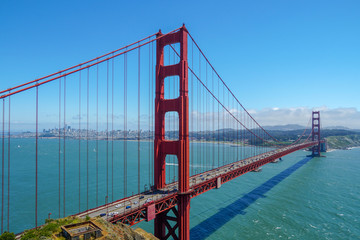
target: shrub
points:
(7, 236)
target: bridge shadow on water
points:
(224, 215)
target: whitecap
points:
(277, 228)
(312, 226)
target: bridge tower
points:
(316, 133)
(180, 148)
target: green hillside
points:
(343, 142)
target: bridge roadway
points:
(144, 206)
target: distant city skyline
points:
(340, 117)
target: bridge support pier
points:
(164, 226)
(184, 216)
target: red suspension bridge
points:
(89, 140)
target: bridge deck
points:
(133, 209)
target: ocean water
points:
(297, 198)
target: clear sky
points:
(272, 54)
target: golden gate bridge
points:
(154, 114)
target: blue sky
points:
(272, 54)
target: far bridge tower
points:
(316, 133)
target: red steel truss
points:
(141, 214)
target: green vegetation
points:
(336, 138)
(50, 228)
(343, 142)
(7, 236)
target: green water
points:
(298, 198)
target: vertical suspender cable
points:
(218, 131)
(64, 185)
(235, 123)
(138, 142)
(153, 107)
(213, 120)
(8, 200)
(97, 134)
(197, 126)
(59, 149)
(107, 130)
(125, 124)
(223, 127)
(151, 113)
(242, 142)
(150, 103)
(254, 130)
(192, 109)
(167, 125)
(254, 138)
(171, 81)
(229, 133)
(244, 136)
(169, 157)
(205, 119)
(174, 118)
(200, 115)
(87, 140)
(36, 155)
(112, 131)
(198, 163)
(80, 140)
(237, 135)
(3, 168)
(226, 116)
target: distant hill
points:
(338, 127)
(287, 127)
